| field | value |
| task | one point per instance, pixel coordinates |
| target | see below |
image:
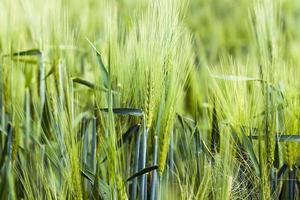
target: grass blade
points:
(125, 111)
(126, 136)
(83, 82)
(215, 133)
(281, 172)
(46, 120)
(104, 191)
(5, 149)
(26, 61)
(251, 153)
(235, 78)
(31, 52)
(249, 149)
(94, 143)
(276, 155)
(104, 72)
(282, 138)
(142, 172)
(9, 140)
(289, 138)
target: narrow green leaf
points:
(88, 175)
(3, 183)
(90, 85)
(104, 191)
(276, 155)
(104, 72)
(46, 120)
(126, 136)
(84, 82)
(235, 78)
(237, 140)
(4, 153)
(125, 111)
(282, 138)
(9, 139)
(180, 120)
(281, 172)
(31, 52)
(49, 73)
(26, 61)
(143, 171)
(289, 138)
(248, 146)
(103, 69)
(215, 132)
(94, 143)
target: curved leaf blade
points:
(143, 171)
(30, 52)
(125, 111)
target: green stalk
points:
(292, 185)
(142, 161)
(60, 87)
(93, 146)
(27, 117)
(42, 79)
(136, 168)
(1, 97)
(85, 132)
(153, 194)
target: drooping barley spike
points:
(290, 154)
(150, 99)
(270, 147)
(121, 188)
(6, 89)
(165, 140)
(270, 129)
(266, 185)
(76, 178)
(15, 143)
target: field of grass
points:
(150, 99)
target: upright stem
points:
(27, 117)
(154, 177)
(142, 159)
(292, 183)
(42, 79)
(94, 143)
(136, 168)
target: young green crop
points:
(140, 99)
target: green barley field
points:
(150, 99)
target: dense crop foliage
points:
(149, 99)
